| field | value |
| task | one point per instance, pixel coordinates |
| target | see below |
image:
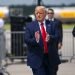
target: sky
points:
(30, 2)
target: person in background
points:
(58, 23)
(41, 37)
(2, 45)
(73, 31)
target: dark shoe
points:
(1, 73)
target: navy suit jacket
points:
(58, 23)
(35, 50)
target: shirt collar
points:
(51, 19)
(40, 22)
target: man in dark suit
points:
(73, 32)
(58, 23)
(41, 38)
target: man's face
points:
(50, 14)
(40, 14)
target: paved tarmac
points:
(18, 68)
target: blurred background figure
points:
(73, 32)
(2, 44)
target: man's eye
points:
(40, 13)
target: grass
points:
(65, 26)
(68, 26)
(7, 26)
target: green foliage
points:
(68, 26)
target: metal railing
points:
(17, 48)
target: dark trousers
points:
(46, 68)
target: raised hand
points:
(47, 37)
(37, 36)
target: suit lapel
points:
(48, 26)
(37, 28)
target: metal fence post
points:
(73, 50)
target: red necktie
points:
(44, 37)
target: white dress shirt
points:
(44, 25)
